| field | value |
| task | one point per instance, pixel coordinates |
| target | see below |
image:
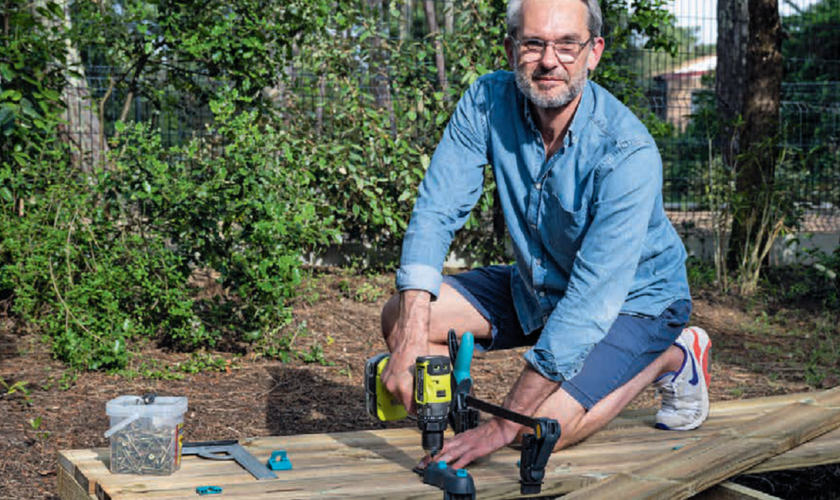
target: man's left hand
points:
(475, 443)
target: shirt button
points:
(542, 294)
(538, 262)
(538, 186)
(533, 226)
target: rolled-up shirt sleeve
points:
(629, 182)
(451, 187)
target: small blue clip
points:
(278, 461)
(208, 490)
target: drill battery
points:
(379, 402)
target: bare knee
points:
(388, 319)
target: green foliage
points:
(204, 361)
(18, 387)
(624, 26)
(100, 261)
(32, 75)
(372, 151)
(367, 293)
(812, 43)
(315, 354)
(700, 274)
(817, 275)
(182, 43)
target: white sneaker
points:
(685, 393)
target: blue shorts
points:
(632, 343)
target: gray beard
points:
(526, 86)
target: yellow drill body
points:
(432, 394)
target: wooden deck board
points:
(377, 463)
(722, 454)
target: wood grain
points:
(377, 463)
(719, 456)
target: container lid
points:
(137, 406)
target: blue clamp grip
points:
(279, 461)
(464, 359)
(208, 490)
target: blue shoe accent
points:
(662, 426)
(694, 377)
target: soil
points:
(253, 396)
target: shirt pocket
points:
(564, 229)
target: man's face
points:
(548, 82)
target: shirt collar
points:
(582, 114)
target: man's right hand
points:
(410, 340)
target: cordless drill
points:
(432, 396)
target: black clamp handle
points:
(536, 450)
(536, 447)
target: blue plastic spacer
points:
(279, 461)
(441, 464)
(208, 490)
(461, 473)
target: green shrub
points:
(99, 262)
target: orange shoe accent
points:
(697, 352)
(705, 362)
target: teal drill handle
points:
(464, 359)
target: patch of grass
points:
(700, 274)
(367, 293)
(204, 362)
(152, 369)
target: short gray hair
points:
(514, 17)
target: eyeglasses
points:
(567, 51)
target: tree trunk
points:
(380, 78)
(82, 128)
(449, 17)
(434, 32)
(407, 19)
(733, 32)
(758, 136)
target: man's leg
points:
(644, 351)
(576, 423)
(451, 310)
(477, 301)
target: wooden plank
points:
(715, 458)
(728, 490)
(823, 450)
(377, 463)
(69, 489)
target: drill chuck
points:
(432, 441)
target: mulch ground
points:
(259, 397)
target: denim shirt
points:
(588, 228)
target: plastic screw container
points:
(146, 434)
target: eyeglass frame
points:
(547, 43)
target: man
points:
(599, 287)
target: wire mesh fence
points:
(679, 90)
